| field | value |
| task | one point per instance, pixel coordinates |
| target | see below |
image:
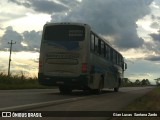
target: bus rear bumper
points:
(79, 81)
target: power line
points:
(11, 43)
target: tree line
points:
(127, 82)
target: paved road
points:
(107, 101)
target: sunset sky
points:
(131, 26)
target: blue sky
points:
(131, 26)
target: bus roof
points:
(67, 23)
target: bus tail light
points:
(84, 67)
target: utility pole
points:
(10, 55)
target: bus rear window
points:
(64, 33)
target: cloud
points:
(5, 16)
(21, 62)
(20, 2)
(1, 28)
(69, 2)
(155, 25)
(157, 2)
(146, 70)
(44, 6)
(152, 48)
(9, 35)
(32, 40)
(47, 6)
(156, 37)
(153, 58)
(116, 19)
(111, 17)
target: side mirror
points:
(124, 66)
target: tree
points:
(137, 82)
(157, 81)
(145, 82)
(127, 82)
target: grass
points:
(148, 102)
(19, 82)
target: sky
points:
(131, 26)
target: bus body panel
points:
(100, 67)
(62, 65)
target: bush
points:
(19, 82)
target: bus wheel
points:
(87, 91)
(65, 90)
(116, 89)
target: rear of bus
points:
(63, 56)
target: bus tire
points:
(87, 91)
(116, 89)
(65, 90)
(119, 82)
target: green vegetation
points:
(127, 83)
(148, 102)
(18, 82)
(157, 81)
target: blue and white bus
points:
(72, 56)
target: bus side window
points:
(102, 48)
(92, 42)
(96, 45)
(120, 60)
(119, 63)
(109, 53)
(105, 50)
(99, 46)
(116, 57)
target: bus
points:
(73, 56)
